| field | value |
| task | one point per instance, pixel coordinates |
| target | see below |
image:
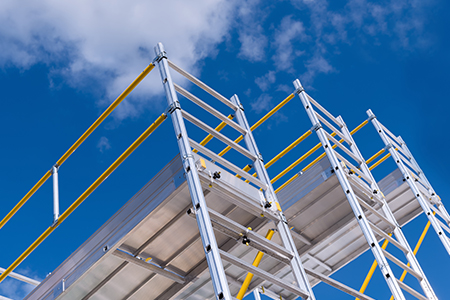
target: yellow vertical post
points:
(256, 262)
(371, 271)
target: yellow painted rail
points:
(83, 196)
(72, 149)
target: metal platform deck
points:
(151, 248)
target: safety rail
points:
(83, 137)
(85, 194)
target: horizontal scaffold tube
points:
(307, 154)
(72, 149)
(83, 196)
(262, 120)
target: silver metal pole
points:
(348, 191)
(210, 247)
(283, 228)
(425, 284)
(412, 185)
(55, 169)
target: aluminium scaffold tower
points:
(213, 254)
(360, 177)
(412, 173)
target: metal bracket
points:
(316, 127)
(371, 117)
(55, 166)
(299, 90)
(260, 157)
(388, 146)
(159, 57)
(172, 107)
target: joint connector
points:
(55, 167)
(388, 146)
(316, 127)
(172, 107)
(260, 157)
(371, 117)
(55, 222)
(299, 90)
(159, 57)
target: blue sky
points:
(62, 63)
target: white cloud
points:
(316, 65)
(263, 103)
(112, 41)
(288, 31)
(103, 144)
(265, 81)
(251, 33)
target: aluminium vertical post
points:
(282, 226)
(425, 284)
(209, 242)
(422, 176)
(351, 197)
(55, 170)
(412, 185)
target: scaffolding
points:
(203, 227)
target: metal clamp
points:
(371, 117)
(172, 107)
(316, 127)
(159, 57)
(299, 90)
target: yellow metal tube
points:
(288, 148)
(375, 156)
(379, 162)
(262, 120)
(210, 136)
(371, 271)
(416, 249)
(274, 110)
(66, 155)
(83, 196)
(359, 127)
(25, 198)
(255, 263)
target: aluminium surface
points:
(154, 226)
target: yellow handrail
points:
(262, 120)
(66, 155)
(83, 196)
(306, 155)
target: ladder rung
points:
(217, 135)
(337, 284)
(263, 274)
(235, 196)
(401, 264)
(372, 210)
(443, 225)
(410, 290)
(227, 164)
(436, 210)
(256, 240)
(389, 238)
(345, 149)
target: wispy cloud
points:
(251, 34)
(112, 43)
(265, 81)
(288, 31)
(103, 144)
(263, 103)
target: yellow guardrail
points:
(72, 149)
(83, 196)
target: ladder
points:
(369, 201)
(413, 175)
(206, 217)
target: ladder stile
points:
(398, 233)
(209, 242)
(411, 183)
(282, 226)
(350, 195)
